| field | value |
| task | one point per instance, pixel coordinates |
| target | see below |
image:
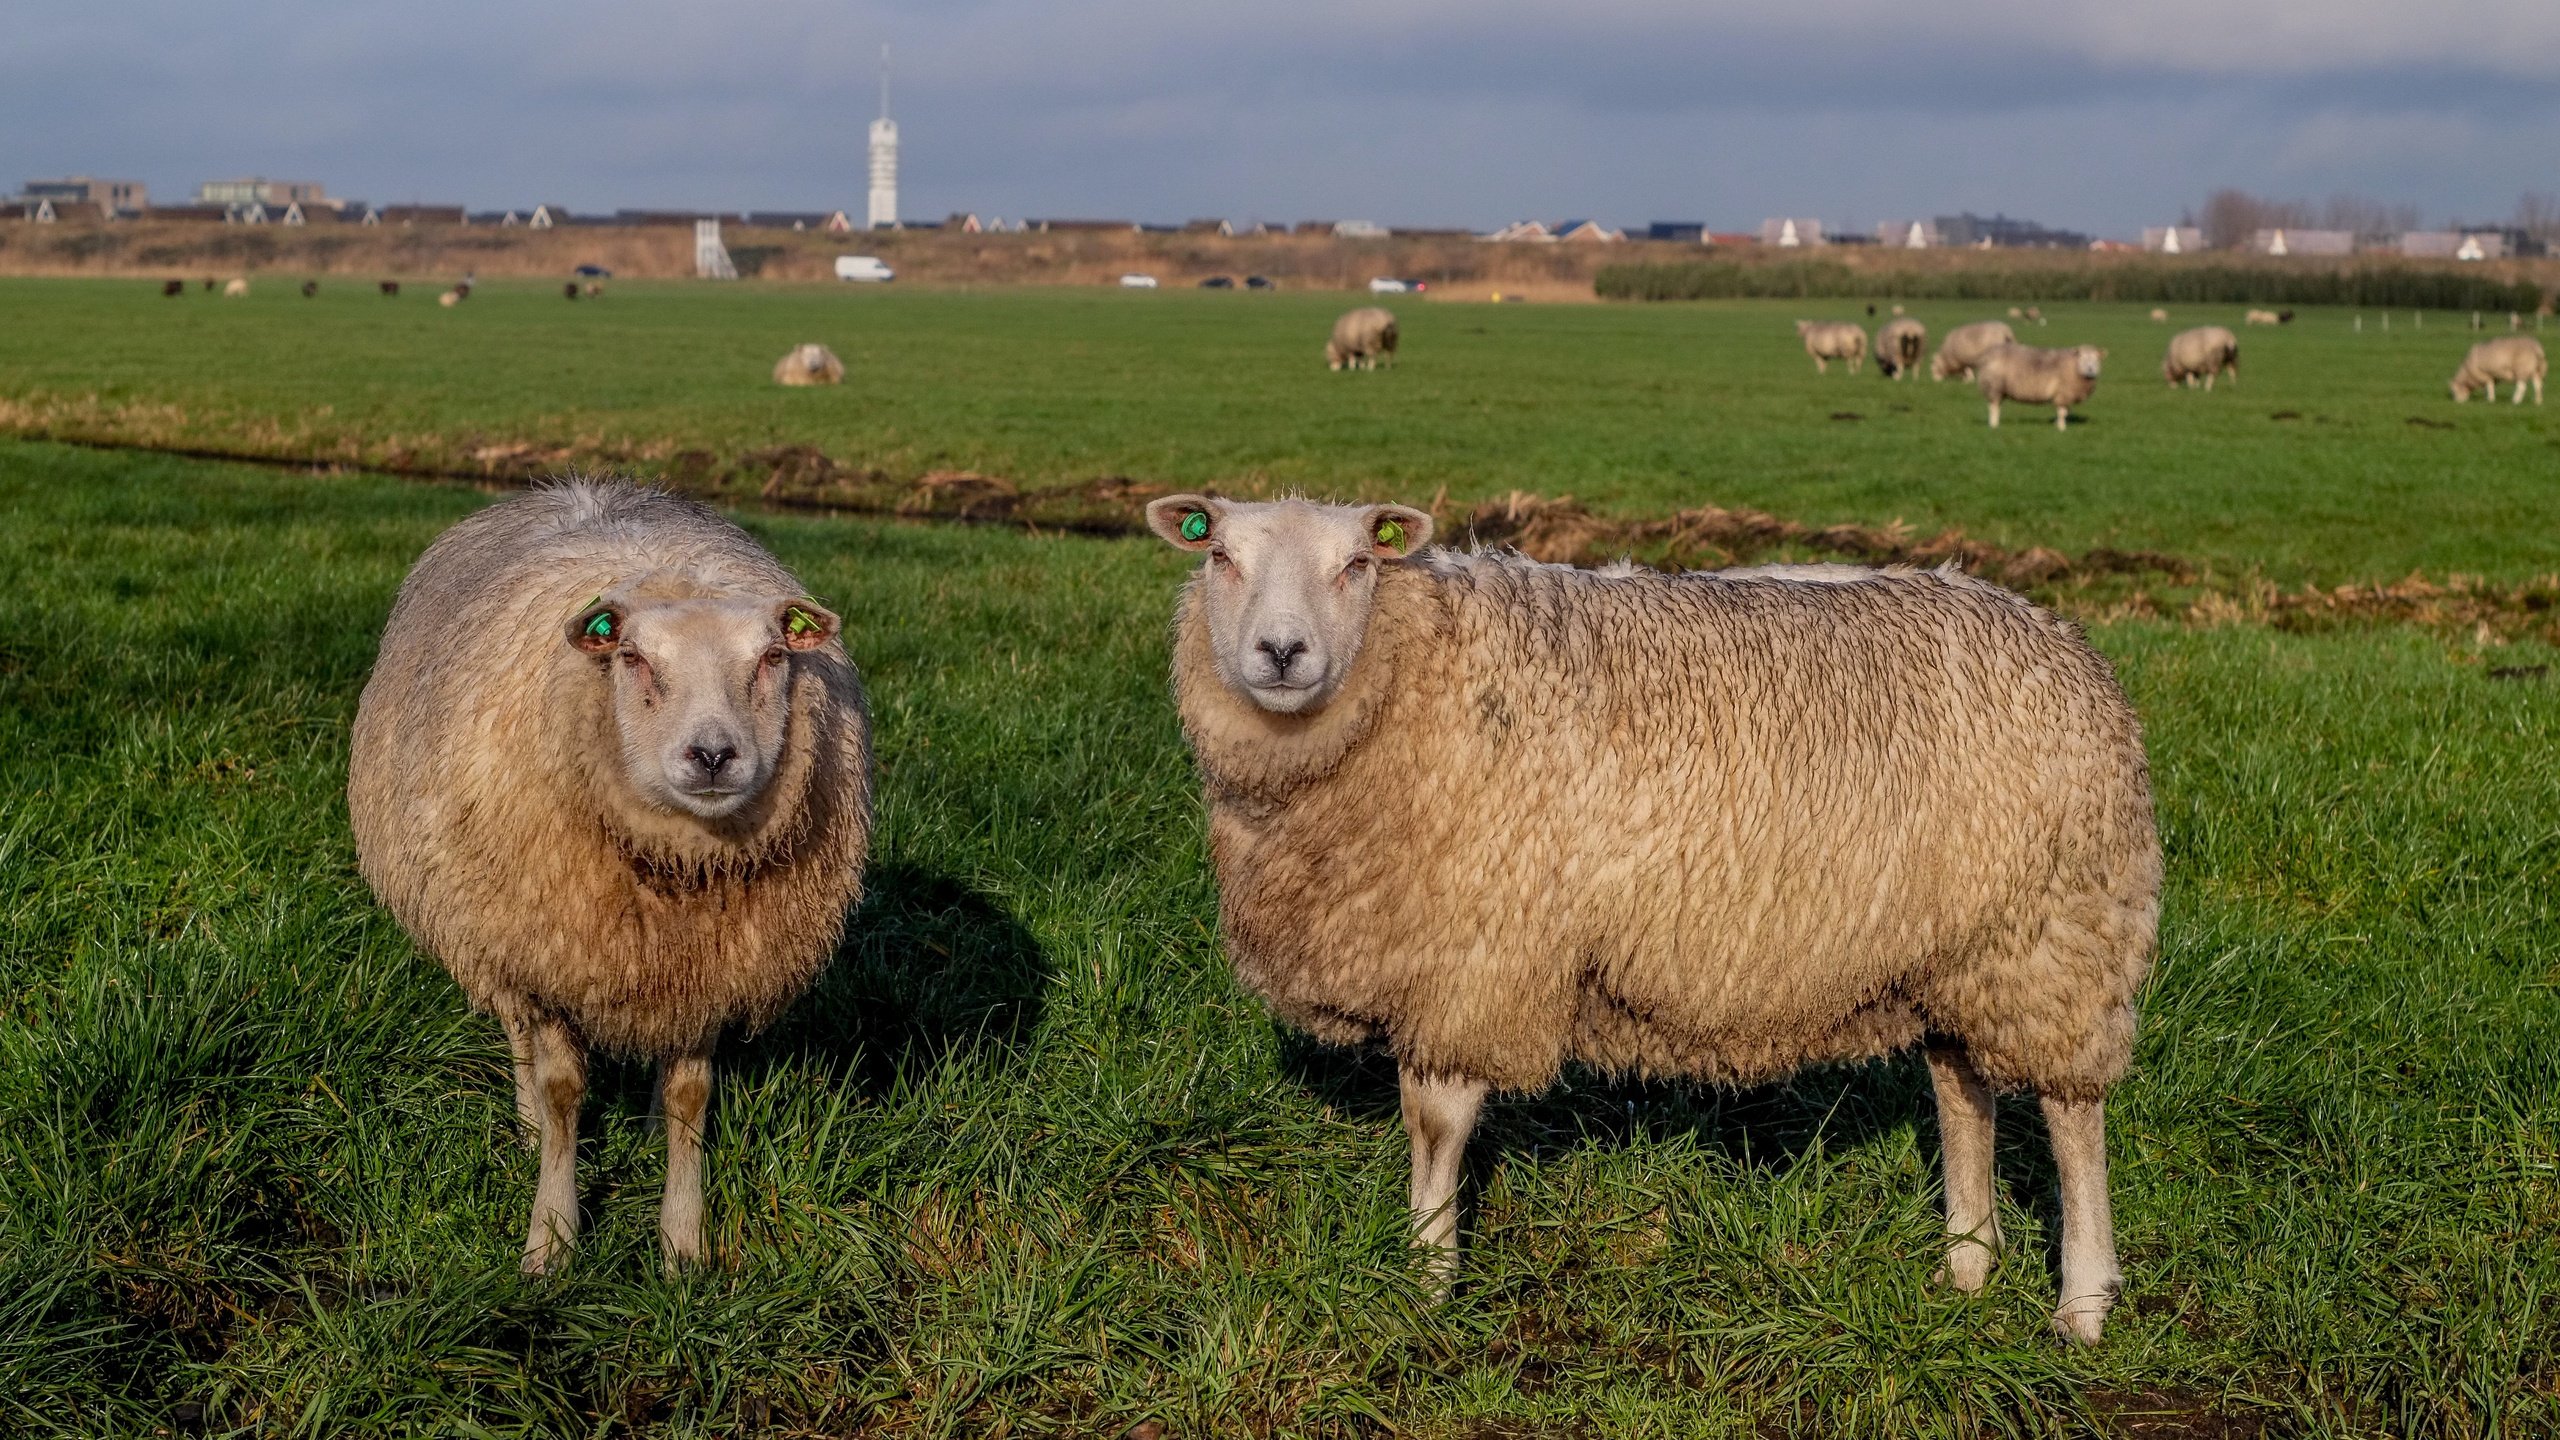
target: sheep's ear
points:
(1396, 531)
(597, 627)
(1185, 522)
(805, 624)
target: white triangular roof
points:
(1787, 233)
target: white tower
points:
(884, 157)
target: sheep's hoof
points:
(542, 1259)
(1968, 1268)
(2080, 1321)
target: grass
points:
(2339, 458)
(1029, 1163)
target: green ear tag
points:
(801, 622)
(1195, 526)
(1391, 534)
(601, 627)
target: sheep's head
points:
(1286, 587)
(2086, 359)
(701, 690)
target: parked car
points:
(868, 269)
(1137, 282)
(1259, 282)
(1387, 285)
(1219, 282)
(592, 272)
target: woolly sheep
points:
(173, 288)
(808, 365)
(310, 289)
(1899, 346)
(2515, 358)
(389, 288)
(2035, 314)
(1829, 340)
(1965, 346)
(2059, 378)
(449, 299)
(1503, 816)
(2261, 317)
(233, 289)
(1362, 339)
(613, 771)
(2204, 352)
(2159, 317)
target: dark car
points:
(592, 272)
(1219, 282)
(1259, 282)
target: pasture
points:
(1029, 1162)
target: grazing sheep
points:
(234, 288)
(1897, 309)
(570, 290)
(1362, 340)
(612, 770)
(2204, 352)
(2517, 359)
(2017, 314)
(808, 365)
(1965, 346)
(390, 288)
(2059, 378)
(2159, 317)
(209, 283)
(2284, 317)
(1899, 346)
(173, 287)
(1502, 816)
(2035, 314)
(594, 288)
(2260, 317)
(1829, 340)
(450, 298)
(310, 289)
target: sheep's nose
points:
(1283, 653)
(710, 759)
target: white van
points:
(1137, 282)
(866, 268)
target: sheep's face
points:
(2086, 358)
(701, 691)
(2461, 391)
(1286, 587)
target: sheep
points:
(1362, 340)
(234, 288)
(808, 365)
(569, 290)
(2261, 317)
(612, 770)
(172, 288)
(1503, 816)
(594, 288)
(450, 298)
(1965, 346)
(2017, 314)
(2159, 316)
(2035, 314)
(1897, 309)
(1899, 346)
(2515, 358)
(209, 283)
(1829, 340)
(310, 289)
(2206, 351)
(2059, 378)
(389, 288)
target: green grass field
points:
(2339, 458)
(1028, 1162)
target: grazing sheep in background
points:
(2284, 317)
(209, 283)
(450, 298)
(1362, 339)
(594, 288)
(310, 289)
(1829, 340)
(173, 287)
(808, 365)
(612, 770)
(570, 290)
(2159, 317)
(1899, 346)
(2204, 352)
(2059, 378)
(1501, 816)
(1965, 346)
(2260, 317)
(2517, 359)
(2017, 314)
(1897, 309)
(235, 288)
(390, 288)
(2035, 314)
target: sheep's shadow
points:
(1762, 1130)
(929, 966)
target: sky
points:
(2103, 117)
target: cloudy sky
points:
(2102, 116)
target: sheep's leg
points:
(2090, 1278)
(685, 1083)
(2493, 392)
(1821, 366)
(528, 1096)
(560, 1081)
(2518, 387)
(1439, 1115)
(2061, 417)
(1995, 414)
(1968, 1119)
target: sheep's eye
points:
(1218, 555)
(632, 659)
(1358, 564)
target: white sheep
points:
(808, 365)
(1965, 346)
(1899, 345)
(2514, 358)
(1500, 816)
(1362, 339)
(2059, 378)
(2201, 353)
(234, 288)
(613, 771)
(1829, 340)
